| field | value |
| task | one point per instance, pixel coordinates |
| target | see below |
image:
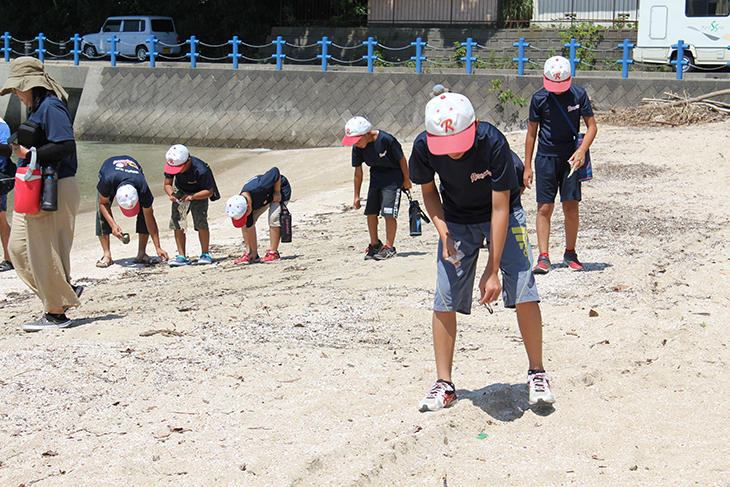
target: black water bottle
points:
(285, 222)
(49, 197)
(414, 217)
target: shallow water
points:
(152, 158)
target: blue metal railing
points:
(373, 48)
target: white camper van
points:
(704, 25)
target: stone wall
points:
(298, 107)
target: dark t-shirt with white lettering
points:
(120, 170)
(556, 135)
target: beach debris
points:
(482, 435)
(49, 453)
(164, 332)
(602, 342)
(593, 313)
(414, 430)
(620, 287)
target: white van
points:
(704, 25)
(133, 33)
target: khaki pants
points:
(40, 248)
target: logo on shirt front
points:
(570, 109)
(122, 163)
(383, 154)
(476, 177)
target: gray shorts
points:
(199, 210)
(383, 201)
(454, 293)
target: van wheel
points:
(90, 51)
(141, 53)
(690, 60)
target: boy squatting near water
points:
(121, 178)
(479, 199)
(388, 175)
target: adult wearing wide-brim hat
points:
(40, 244)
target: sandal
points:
(103, 263)
(6, 265)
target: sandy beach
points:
(308, 371)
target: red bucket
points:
(28, 193)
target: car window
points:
(112, 26)
(162, 25)
(133, 25)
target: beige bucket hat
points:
(28, 72)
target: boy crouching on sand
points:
(267, 191)
(480, 199)
(388, 175)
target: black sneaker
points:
(543, 265)
(373, 249)
(385, 253)
(571, 258)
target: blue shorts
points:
(551, 175)
(3, 203)
(454, 293)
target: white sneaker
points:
(46, 323)
(441, 395)
(539, 384)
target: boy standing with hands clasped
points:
(388, 175)
(557, 155)
(479, 199)
(193, 186)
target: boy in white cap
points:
(556, 155)
(388, 175)
(264, 192)
(121, 178)
(188, 181)
(479, 200)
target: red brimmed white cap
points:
(236, 207)
(355, 128)
(450, 124)
(128, 200)
(176, 157)
(556, 76)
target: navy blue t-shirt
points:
(120, 170)
(383, 155)
(261, 189)
(467, 183)
(556, 136)
(55, 121)
(198, 178)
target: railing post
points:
(680, 62)
(192, 54)
(418, 57)
(40, 38)
(371, 43)
(573, 45)
(76, 51)
(521, 59)
(153, 49)
(7, 49)
(324, 56)
(235, 42)
(279, 56)
(113, 53)
(625, 61)
(469, 58)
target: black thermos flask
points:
(49, 197)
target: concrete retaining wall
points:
(295, 108)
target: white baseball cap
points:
(128, 199)
(236, 207)
(450, 124)
(556, 76)
(176, 157)
(355, 128)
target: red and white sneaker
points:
(571, 258)
(246, 259)
(441, 395)
(543, 265)
(271, 256)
